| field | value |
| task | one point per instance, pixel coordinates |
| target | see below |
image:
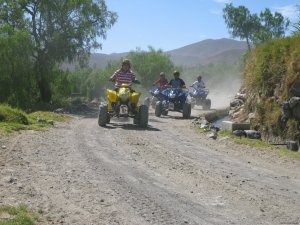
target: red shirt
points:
(161, 82)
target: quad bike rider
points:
(156, 91)
(123, 100)
(174, 98)
(199, 94)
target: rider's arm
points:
(193, 84)
(182, 84)
(202, 84)
(113, 77)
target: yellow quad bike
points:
(123, 103)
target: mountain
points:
(209, 51)
(200, 53)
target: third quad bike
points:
(174, 99)
(198, 97)
(123, 103)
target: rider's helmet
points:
(176, 73)
(162, 74)
(199, 77)
(126, 62)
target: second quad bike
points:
(174, 99)
(156, 93)
(123, 103)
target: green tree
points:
(241, 23)
(17, 84)
(255, 29)
(59, 29)
(272, 26)
(149, 64)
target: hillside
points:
(203, 52)
(209, 51)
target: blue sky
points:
(171, 24)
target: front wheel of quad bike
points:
(158, 108)
(206, 104)
(186, 110)
(143, 116)
(103, 116)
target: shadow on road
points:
(127, 126)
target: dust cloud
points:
(222, 93)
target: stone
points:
(253, 134)
(292, 145)
(232, 126)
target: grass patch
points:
(17, 215)
(256, 143)
(12, 119)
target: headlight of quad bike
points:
(156, 92)
(172, 95)
(124, 96)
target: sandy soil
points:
(80, 173)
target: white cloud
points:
(288, 11)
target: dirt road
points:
(80, 173)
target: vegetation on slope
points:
(271, 70)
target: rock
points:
(236, 102)
(253, 134)
(295, 90)
(296, 112)
(41, 120)
(59, 110)
(212, 135)
(203, 126)
(292, 145)
(294, 101)
(239, 133)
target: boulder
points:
(253, 134)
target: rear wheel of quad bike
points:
(186, 110)
(158, 108)
(206, 104)
(143, 116)
(103, 116)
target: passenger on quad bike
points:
(156, 90)
(162, 81)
